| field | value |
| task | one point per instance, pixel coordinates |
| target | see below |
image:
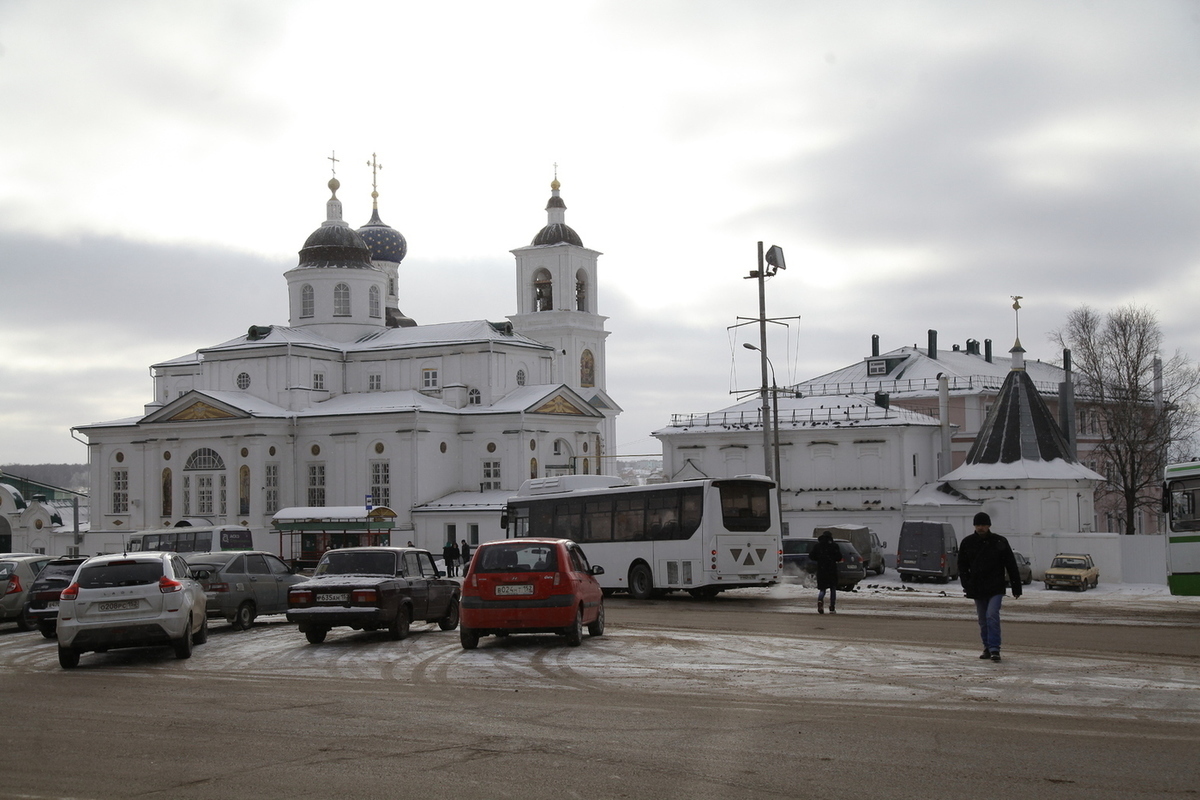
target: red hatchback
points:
(530, 586)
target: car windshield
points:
(1070, 563)
(120, 573)
(356, 563)
(57, 572)
(517, 557)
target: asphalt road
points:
(739, 697)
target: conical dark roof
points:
(1019, 427)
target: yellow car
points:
(1072, 571)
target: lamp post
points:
(774, 262)
(774, 428)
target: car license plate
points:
(52, 605)
(515, 588)
(119, 605)
(339, 597)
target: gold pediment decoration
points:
(558, 405)
(200, 410)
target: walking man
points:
(985, 561)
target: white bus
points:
(1181, 503)
(701, 536)
(194, 539)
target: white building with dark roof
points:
(352, 398)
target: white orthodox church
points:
(353, 403)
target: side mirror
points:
(883, 545)
(597, 569)
(200, 574)
(504, 520)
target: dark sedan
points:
(851, 569)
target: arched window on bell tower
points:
(581, 291)
(543, 291)
(587, 369)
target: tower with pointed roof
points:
(388, 248)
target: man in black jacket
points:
(984, 558)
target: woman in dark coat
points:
(450, 555)
(826, 554)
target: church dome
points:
(557, 233)
(385, 242)
(335, 244)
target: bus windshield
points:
(1185, 516)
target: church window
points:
(877, 368)
(520, 377)
(307, 303)
(209, 493)
(474, 398)
(187, 495)
(244, 490)
(587, 369)
(381, 483)
(204, 459)
(316, 484)
(243, 381)
(204, 494)
(391, 286)
(271, 496)
(532, 468)
(166, 492)
(558, 447)
(374, 382)
(543, 291)
(319, 381)
(491, 476)
(581, 291)
(120, 491)
(585, 467)
(341, 300)
(374, 301)
(429, 378)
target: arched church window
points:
(474, 398)
(585, 467)
(204, 458)
(543, 291)
(307, 303)
(374, 301)
(341, 300)
(581, 291)
(587, 369)
(244, 490)
(204, 487)
(532, 468)
(166, 492)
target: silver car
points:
(17, 573)
(241, 585)
(130, 600)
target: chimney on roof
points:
(987, 350)
(972, 347)
(933, 344)
(874, 345)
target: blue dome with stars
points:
(385, 242)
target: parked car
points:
(17, 573)
(865, 541)
(851, 569)
(373, 588)
(927, 551)
(531, 585)
(241, 586)
(1072, 571)
(1024, 568)
(130, 600)
(41, 605)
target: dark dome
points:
(335, 246)
(385, 242)
(557, 233)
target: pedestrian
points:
(826, 554)
(450, 556)
(410, 544)
(464, 553)
(985, 560)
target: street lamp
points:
(774, 425)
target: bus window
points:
(567, 522)
(630, 520)
(185, 542)
(518, 517)
(691, 508)
(203, 541)
(1183, 505)
(745, 507)
(597, 521)
(541, 517)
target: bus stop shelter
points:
(311, 530)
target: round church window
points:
(443, 447)
(379, 447)
(243, 380)
(491, 448)
(316, 449)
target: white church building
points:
(354, 403)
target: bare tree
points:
(1146, 406)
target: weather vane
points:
(1016, 298)
(334, 159)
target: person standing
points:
(450, 556)
(986, 567)
(464, 553)
(826, 554)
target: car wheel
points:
(244, 616)
(26, 623)
(574, 633)
(315, 635)
(399, 627)
(1095, 583)
(68, 657)
(597, 628)
(469, 638)
(183, 645)
(641, 582)
(450, 621)
(201, 636)
(882, 569)
(48, 631)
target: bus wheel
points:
(641, 582)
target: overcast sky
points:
(918, 162)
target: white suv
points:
(131, 600)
